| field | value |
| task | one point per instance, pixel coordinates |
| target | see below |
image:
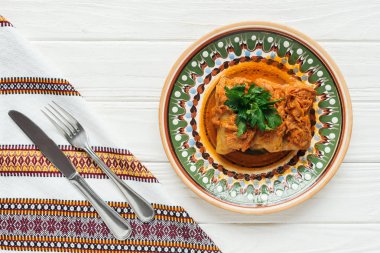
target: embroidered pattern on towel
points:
(27, 160)
(35, 224)
(4, 22)
(36, 85)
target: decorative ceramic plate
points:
(269, 183)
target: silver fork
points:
(77, 136)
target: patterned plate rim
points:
(313, 46)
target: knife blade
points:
(118, 226)
(46, 145)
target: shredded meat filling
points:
(293, 134)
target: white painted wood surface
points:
(117, 53)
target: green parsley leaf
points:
(253, 108)
(242, 127)
(273, 119)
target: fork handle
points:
(140, 206)
(118, 226)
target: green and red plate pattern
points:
(184, 99)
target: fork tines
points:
(61, 119)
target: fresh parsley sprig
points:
(253, 108)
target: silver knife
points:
(118, 226)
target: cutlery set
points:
(76, 135)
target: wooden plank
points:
(188, 20)
(301, 238)
(135, 71)
(351, 197)
(135, 125)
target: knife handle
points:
(118, 226)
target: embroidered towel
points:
(39, 209)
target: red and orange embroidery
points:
(27, 160)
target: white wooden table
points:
(117, 53)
